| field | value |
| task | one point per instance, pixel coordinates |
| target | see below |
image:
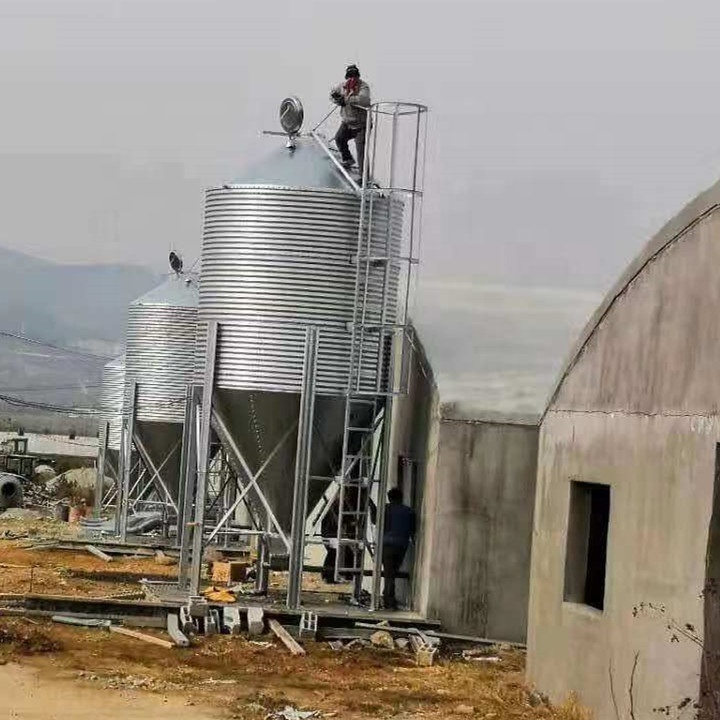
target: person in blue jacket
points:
(399, 532)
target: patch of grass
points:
(22, 639)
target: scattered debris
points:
(162, 559)
(255, 620)
(174, 631)
(21, 514)
(229, 572)
(98, 553)
(290, 713)
(261, 644)
(231, 620)
(142, 636)
(465, 710)
(308, 624)
(284, 636)
(221, 595)
(383, 639)
(424, 652)
(537, 699)
(79, 621)
(213, 681)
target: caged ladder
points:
(378, 334)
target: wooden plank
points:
(98, 553)
(142, 636)
(282, 634)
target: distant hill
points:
(68, 304)
(75, 306)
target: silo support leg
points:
(188, 481)
(203, 458)
(127, 444)
(302, 469)
(100, 479)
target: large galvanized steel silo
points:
(159, 359)
(278, 255)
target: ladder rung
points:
(361, 429)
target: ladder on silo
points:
(366, 391)
(372, 386)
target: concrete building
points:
(471, 478)
(627, 483)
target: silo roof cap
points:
(176, 291)
(118, 362)
(306, 167)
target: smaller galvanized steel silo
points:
(112, 396)
(159, 359)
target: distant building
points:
(628, 492)
(20, 454)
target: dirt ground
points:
(25, 692)
(225, 676)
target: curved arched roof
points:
(690, 216)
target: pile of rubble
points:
(39, 493)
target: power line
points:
(87, 412)
(31, 404)
(57, 348)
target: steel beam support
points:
(203, 459)
(129, 431)
(188, 478)
(302, 468)
(156, 477)
(230, 445)
(100, 479)
(381, 503)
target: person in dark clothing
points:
(399, 531)
(328, 528)
(353, 97)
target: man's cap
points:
(351, 71)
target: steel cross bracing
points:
(381, 329)
(139, 482)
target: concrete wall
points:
(637, 409)
(660, 473)
(481, 511)
(475, 500)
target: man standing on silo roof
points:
(353, 97)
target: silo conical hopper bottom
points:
(162, 442)
(258, 422)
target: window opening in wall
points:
(586, 552)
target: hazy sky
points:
(563, 133)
